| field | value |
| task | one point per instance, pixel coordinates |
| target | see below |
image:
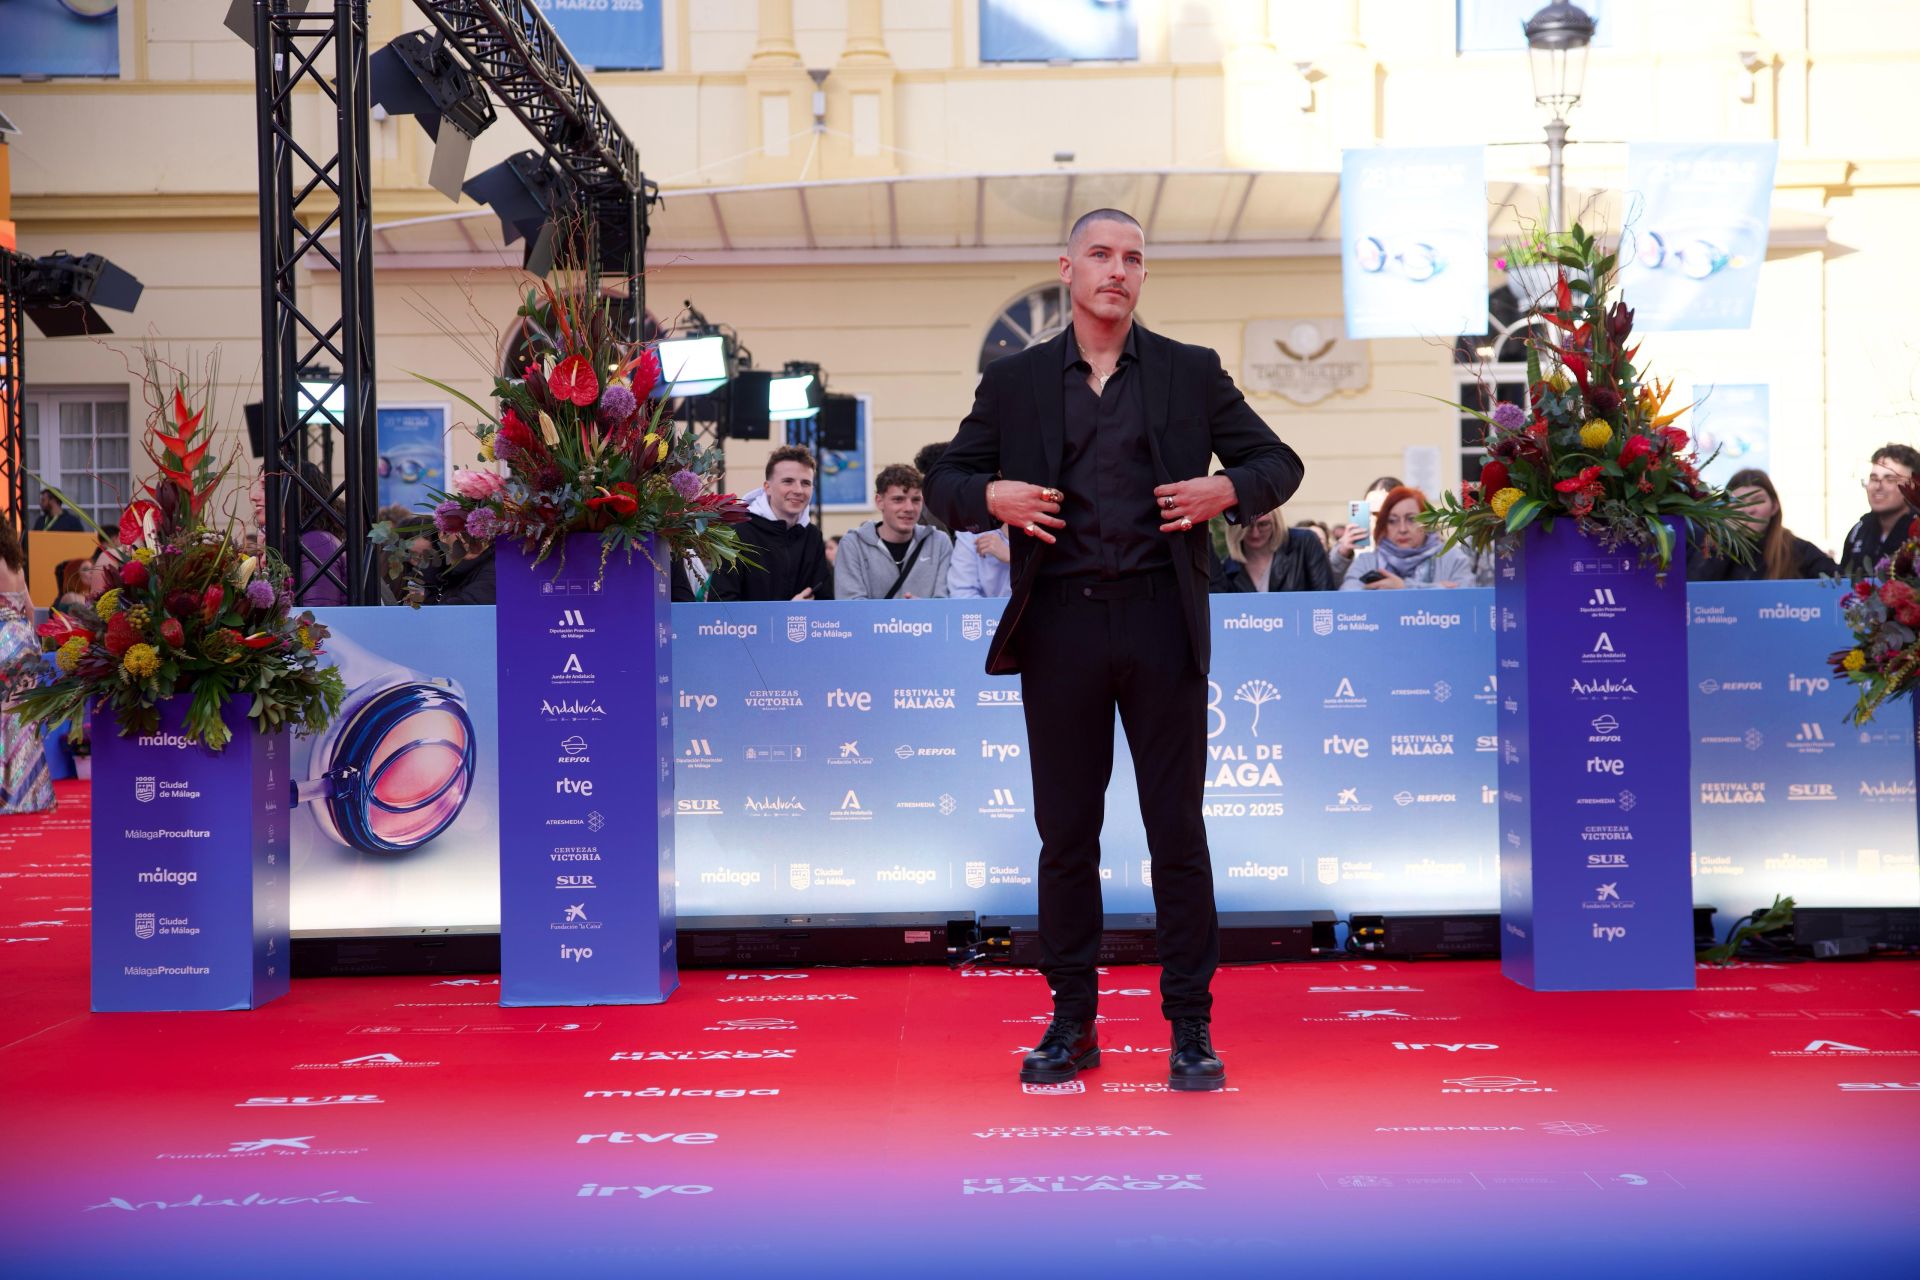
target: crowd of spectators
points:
(905, 554)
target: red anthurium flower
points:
(1573, 484)
(260, 640)
(59, 628)
(573, 379)
(133, 520)
(623, 500)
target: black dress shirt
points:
(1106, 475)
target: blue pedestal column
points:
(586, 778)
(190, 873)
(1595, 820)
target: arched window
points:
(1489, 369)
(1033, 317)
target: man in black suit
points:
(1094, 449)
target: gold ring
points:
(1052, 495)
(1185, 524)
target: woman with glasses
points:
(1264, 555)
(1880, 532)
(1406, 553)
(1782, 555)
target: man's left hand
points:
(1198, 501)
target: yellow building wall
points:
(157, 171)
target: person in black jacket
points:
(1093, 449)
(1780, 555)
(1880, 532)
(1264, 555)
(790, 558)
(466, 580)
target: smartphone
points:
(1360, 516)
(1371, 576)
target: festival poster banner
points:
(1413, 241)
(587, 883)
(1732, 425)
(607, 35)
(190, 876)
(396, 816)
(1070, 30)
(413, 454)
(1695, 232)
(60, 38)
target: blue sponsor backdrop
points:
(1696, 232)
(1788, 797)
(1353, 761)
(1413, 241)
(607, 35)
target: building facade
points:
(898, 223)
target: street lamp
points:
(1557, 40)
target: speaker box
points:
(747, 405)
(839, 424)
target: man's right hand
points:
(1025, 507)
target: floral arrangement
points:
(1883, 612)
(191, 614)
(586, 445)
(1538, 249)
(1599, 446)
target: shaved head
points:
(1087, 220)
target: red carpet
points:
(1428, 1120)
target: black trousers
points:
(1087, 647)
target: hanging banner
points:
(1730, 424)
(1695, 232)
(60, 38)
(1413, 238)
(607, 35)
(1073, 30)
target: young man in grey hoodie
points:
(894, 557)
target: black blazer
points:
(1017, 431)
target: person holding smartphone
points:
(1405, 553)
(1358, 535)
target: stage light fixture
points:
(59, 293)
(416, 75)
(240, 16)
(524, 190)
(693, 365)
(797, 392)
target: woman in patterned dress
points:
(25, 785)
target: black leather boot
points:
(1068, 1047)
(1194, 1066)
